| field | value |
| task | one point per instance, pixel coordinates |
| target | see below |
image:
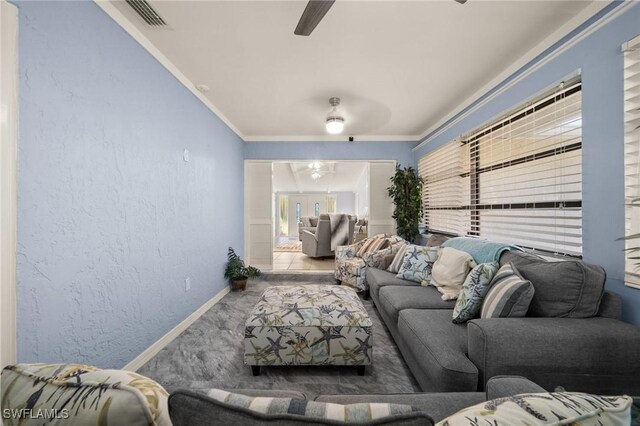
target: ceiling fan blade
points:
(312, 15)
(461, 1)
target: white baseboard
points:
(152, 350)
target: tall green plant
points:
(406, 192)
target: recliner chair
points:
(318, 244)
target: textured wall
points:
(111, 219)
(601, 60)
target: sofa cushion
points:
(436, 405)
(439, 346)
(450, 271)
(398, 259)
(509, 296)
(474, 289)
(566, 408)
(571, 289)
(393, 299)
(377, 278)
(83, 395)
(417, 264)
(190, 408)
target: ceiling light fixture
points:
(335, 121)
(315, 175)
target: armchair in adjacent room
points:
(318, 243)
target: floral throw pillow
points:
(417, 264)
(557, 408)
(473, 291)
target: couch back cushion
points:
(571, 288)
(83, 395)
(190, 408)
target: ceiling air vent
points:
(147, 13)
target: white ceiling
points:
(335, 176)
(399, 66)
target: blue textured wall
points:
(111, 219)
(399, 151)
(601, 60)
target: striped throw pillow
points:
(398, 259)
(509, 296)
(372, 244)
(312, 411)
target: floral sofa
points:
(351, 269)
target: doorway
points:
(299, 189)
(8, 161)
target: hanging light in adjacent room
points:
(335, 121)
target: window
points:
(331, 204)
(518, 179)
(317, 209)
(298, 212)
(632, 160)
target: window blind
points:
(632, 160)
(518, 179)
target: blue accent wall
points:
(600, 58)
(358, 150)
(111, 218)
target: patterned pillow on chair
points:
(372, 245)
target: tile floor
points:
(291, 261)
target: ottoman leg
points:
(255, 369)
(361, 370)
(338, 282)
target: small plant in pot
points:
(237, 272)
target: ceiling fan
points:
(315, 11)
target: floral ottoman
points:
(308, 325)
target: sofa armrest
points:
(307, 234)
(504, 386)
(584, 354)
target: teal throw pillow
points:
(475, 288)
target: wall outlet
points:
(187, 284)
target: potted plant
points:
(237, 272)
(406, 192)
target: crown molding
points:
(331, 138)
(454, 117)
(138, 36)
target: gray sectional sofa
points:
(191, 408)
(588, 350)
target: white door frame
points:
(8, 168)
(382, 220)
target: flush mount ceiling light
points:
(316, 175)
(335, 121)
(314, 165)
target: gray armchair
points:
(318, 244)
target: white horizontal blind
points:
(519, 179)
(632, 160)
(446, 188)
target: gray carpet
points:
(209, 354)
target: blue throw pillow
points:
(475, 288)
(417, 264)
